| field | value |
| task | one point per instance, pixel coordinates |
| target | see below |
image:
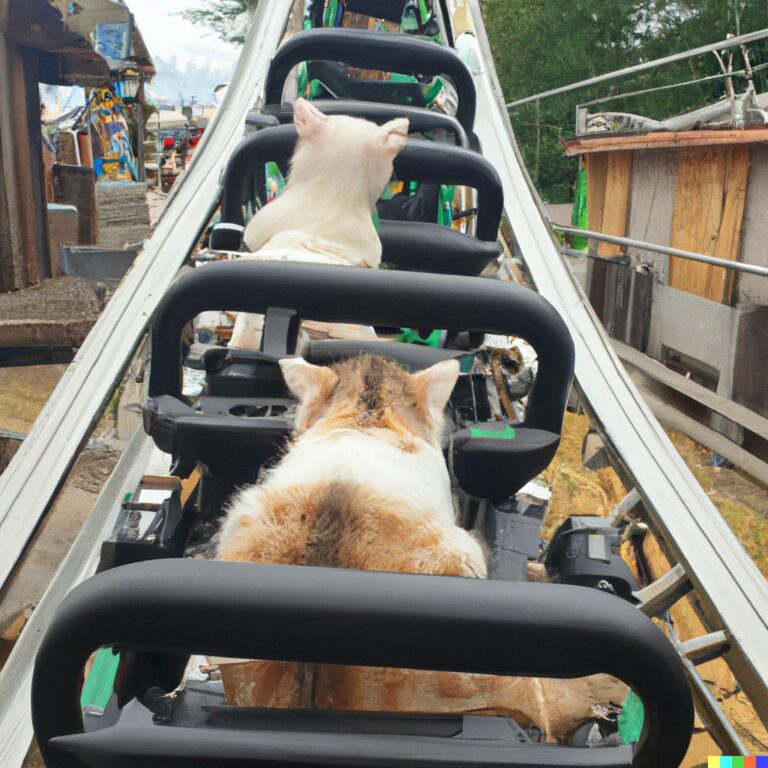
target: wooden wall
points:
(707, 218)
(693, 198)
(609, 175)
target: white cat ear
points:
(307, 381)
(307, 118)
(436, 383)
(393, 135)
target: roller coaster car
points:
(409, 245)
(158, 613)
(328, 53)
(234, 435)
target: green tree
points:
(543, 45)
(227, 18)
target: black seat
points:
(419, 246)
(325, 49)
(170, 609)
(234, 433)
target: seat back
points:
(368, 49)
(488, 465)
(406, 245)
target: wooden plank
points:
(615, 208)
(597, 179)
(708, 212)
(739, 414)
(19, 255)
(76, 186)
(664, 140)
(609, 178)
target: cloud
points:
(177, 44)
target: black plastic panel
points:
(332, 616)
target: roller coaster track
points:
(730, 590)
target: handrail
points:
(338, 616)
(739, 266)
(731, 42)
(419, 160)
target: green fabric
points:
(303, 84)
(101, 679)
(508, 433)
(331, 11)
(579, 215)
(412, 336)
(630, 720)
(445, 208)
(274, 179)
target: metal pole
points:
(739, 266)
(682, 55)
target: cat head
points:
(370, 392)
(355, 152)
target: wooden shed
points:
(702, 191)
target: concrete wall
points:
(753, 289)
(702, 329)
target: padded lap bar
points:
(369, 49)
(421, 120)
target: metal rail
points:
(79, 564)
(630, 242)
(731, 590)
(732, 42)
(32, 479)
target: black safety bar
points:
(371, 297)
(368, 49)
(422, 161)
(421, 120)
(334, 616)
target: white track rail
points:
(727, 582)
(30, 482)
(32, 479)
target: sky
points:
(188, 58)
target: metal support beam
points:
(739, 266)
(624, 507)
(645, 66)
(664, 592)
(702, 649)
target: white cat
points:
(339, 169)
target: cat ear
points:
(393, 135)
(307, 118)
(434, 385)
(307, 381)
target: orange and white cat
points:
(364, 485)
(339, 169)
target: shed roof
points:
(663, 140)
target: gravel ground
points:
(63, 298)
